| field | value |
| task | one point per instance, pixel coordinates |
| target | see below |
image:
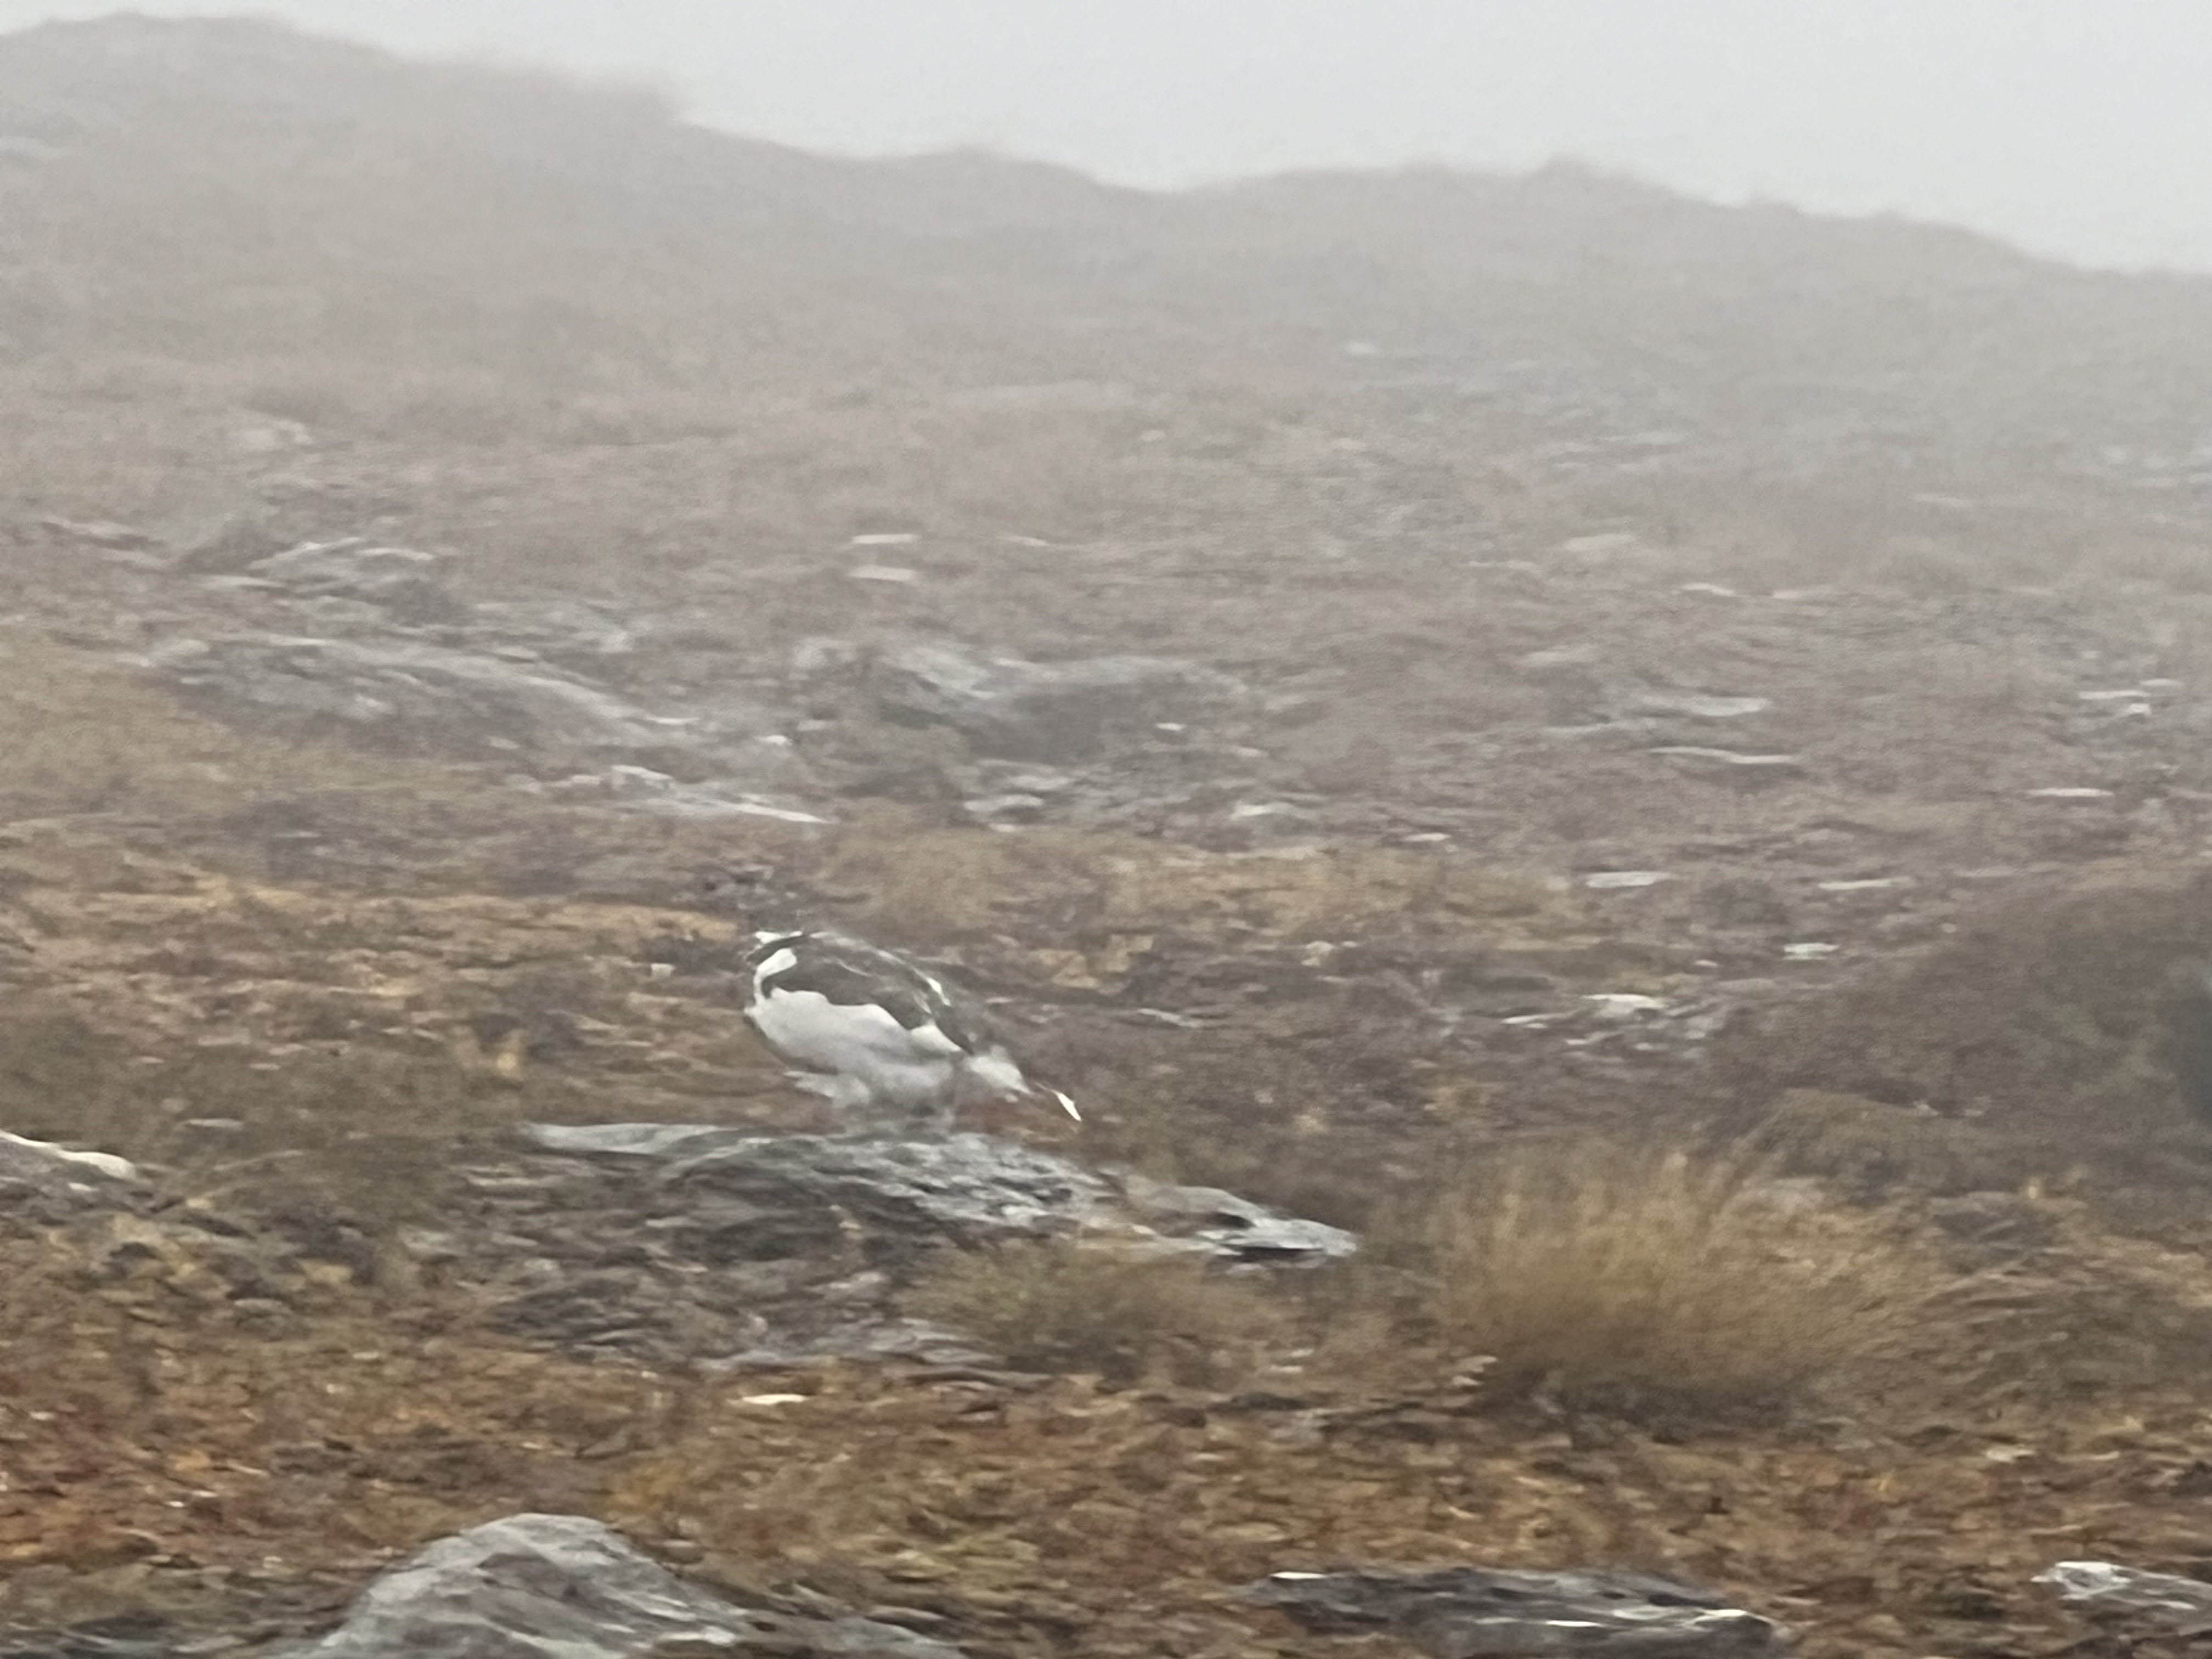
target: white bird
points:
(874, 1033)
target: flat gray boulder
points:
(428, 696)
(400, 577)
(1014, 709)
(962, 1188)
(675, 1241)
(565, 1587)
(2166, 1601)
(1481, 1612)
(43, 1184)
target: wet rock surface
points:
(1468, 1612)
(681, 1242)
(1608, 680)
(40, 1180)
(566, 1586)
(2155, 1605)
(1056, 713)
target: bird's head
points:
(994, 1068)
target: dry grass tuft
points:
(1124, 1318)
(1629, 1280)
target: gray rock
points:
(1696, 705)
(1464, 1613)
(2182, 1606)
(642, 789)
(555, 625)
(563, 1586)
(103, 533)
(42, 1185)
(990, 809)
(914, 1342)
(42, 1165)
(395, 578)
(682, 1241)
(1724, 760)
(2185, 1038)
(966, 1189)
(1221, 1223)
(1020, 710)
(623, 1139)
(436, 696)
(975, 1189)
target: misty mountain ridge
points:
(218, 190)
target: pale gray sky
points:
(2078, 127)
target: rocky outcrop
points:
(2152, 1603)
(441, 698)
(1467, 1613)
(399, 579)
(682, 1241)
(1060, 712)
(43, 1185)
(563, 1586)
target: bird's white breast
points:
(807, 1026)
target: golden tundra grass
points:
(1623, 1277)
(1122, 1317)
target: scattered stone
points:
(43, 1184)
(1563, 656)
(427, 695)
(885, 539)
(565, 1587)
(1697, 705)
(1809, 950)
(640, 788)
(555, 627)
(1466, 1613)
(1208, 1221)
(1729, 759)
(395, 578)
(1054, 712)
(683, 1240)
(1601, 545)
(2182, 1606)
(1607, 881)
(1619, 1005)
(103, 533)
(257, 434)
(2070, 794)
(897, 574)
(998, 808)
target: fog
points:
(2074, 127)
(866, 899)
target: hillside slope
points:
(228, 189)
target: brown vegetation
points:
(1613, 1276)
(1119, 1316)
(584, 352)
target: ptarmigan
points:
(880, 1037)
